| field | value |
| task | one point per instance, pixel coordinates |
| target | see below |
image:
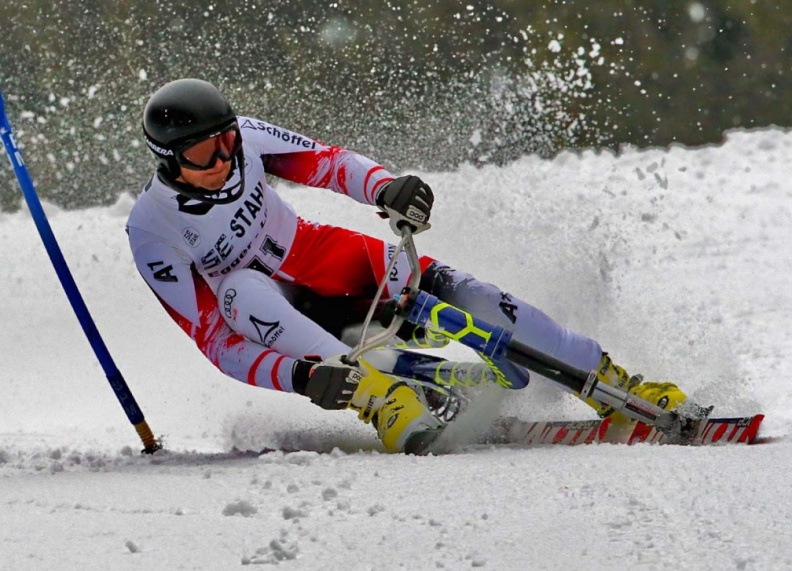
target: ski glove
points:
(329, 384)
(406, 200)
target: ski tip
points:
(751, 432)
(719, 431)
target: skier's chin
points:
(213, 186)
(212, 179)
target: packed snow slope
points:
(677, 260)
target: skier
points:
(265, 294)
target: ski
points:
(715, 431)
(737, 430)
(511, 430)
(515, 433)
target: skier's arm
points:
(329, 384)
(406, 200)
(303, 160)
(190, 301)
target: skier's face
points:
(213, 178)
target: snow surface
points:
(677, 260)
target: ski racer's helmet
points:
(179, 115)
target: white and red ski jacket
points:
(184, 248)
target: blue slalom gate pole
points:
(114, 376)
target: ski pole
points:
(117, 382)
(365, 344)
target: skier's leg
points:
(665, 395)
(534, 328)
(337, 264)
(529, 325)
(256, 307)
(397, 411)
(333, 261)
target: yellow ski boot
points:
(667, 396)
(398, 412)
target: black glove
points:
(329, 384)
(406, 200)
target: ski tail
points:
(568, 432)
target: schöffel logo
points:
(157, 149)
(279, 133)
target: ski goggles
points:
(203, 154)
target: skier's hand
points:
(406, 200)
(329, 384)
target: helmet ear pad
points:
(168, 168)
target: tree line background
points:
(416, 85)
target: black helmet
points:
(179, 114)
